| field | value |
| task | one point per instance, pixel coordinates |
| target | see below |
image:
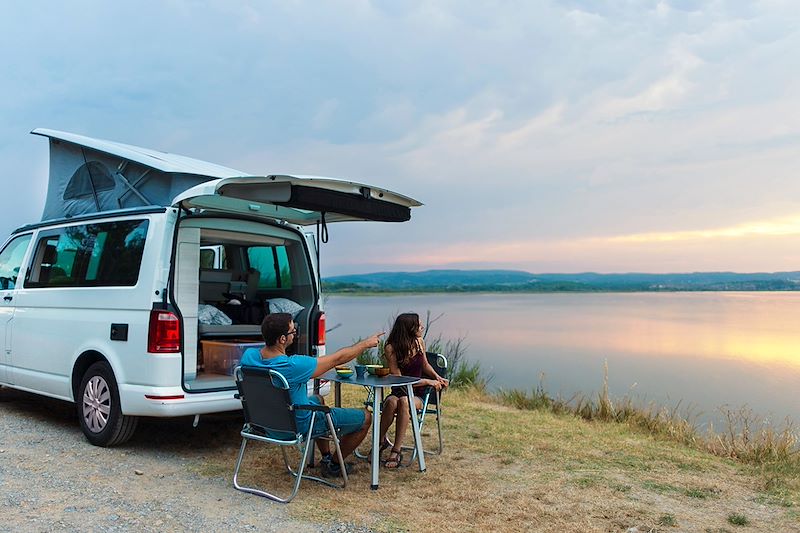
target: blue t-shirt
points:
(297, 370)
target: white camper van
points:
(151, 272)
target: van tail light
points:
(321, 330)
(164, 335)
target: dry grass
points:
(751, 439)
(746, 438)
(505, 469)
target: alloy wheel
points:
(96, 404)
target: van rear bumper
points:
(174, 401)
(139, 400)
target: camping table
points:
(375, 383)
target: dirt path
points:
(52, 479)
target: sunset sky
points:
(608, 136)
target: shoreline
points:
(416, 292)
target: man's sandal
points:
(395, 459)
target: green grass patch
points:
(738, 519)
(588, 481)
(620, 487)
(690, 466)
(781, 498)
(661, 488)
(667, 520)
(701, 494)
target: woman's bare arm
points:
(391, 360)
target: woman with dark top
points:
(405, 355)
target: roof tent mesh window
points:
(89, 173)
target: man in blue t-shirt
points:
(279, 331)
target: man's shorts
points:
(345, 420)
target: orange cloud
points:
(770, 245)
(775, 227)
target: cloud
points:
(765, 228)
(552, 123)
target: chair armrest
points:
(312, 407)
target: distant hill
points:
(521, 281)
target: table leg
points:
(415, 426)
(376, 429)
(337, 394)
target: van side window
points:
(91, 255)
(207, 259)
(272, 262)
(11, 261)
(213, 258)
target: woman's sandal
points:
(384, 445)
(395, 459)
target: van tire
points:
(99, 410)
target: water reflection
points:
(705, 349)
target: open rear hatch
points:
(237, 217)
(300, 200)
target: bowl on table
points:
(372, 368)
(344, 372)
(382, 372)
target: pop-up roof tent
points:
(92, 175)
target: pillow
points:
(208, 314)
(285, 305)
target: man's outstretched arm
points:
(340, 357)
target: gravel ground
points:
(52, 479)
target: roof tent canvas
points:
(91, 175)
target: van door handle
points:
(8, 298)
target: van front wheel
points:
(99, 411)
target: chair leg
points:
(438, 413)
(313, 453)
(421, 414)
(421, 418)
(262, 493)
(309, 449)
(298, 475)
(239, 464)
(335, 439)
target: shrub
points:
(668, 520)
(738, 519)
(751, 439)
(373, 356)
(462, 372)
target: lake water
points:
(705, 350)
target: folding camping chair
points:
(269, 417)
(432, 404)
